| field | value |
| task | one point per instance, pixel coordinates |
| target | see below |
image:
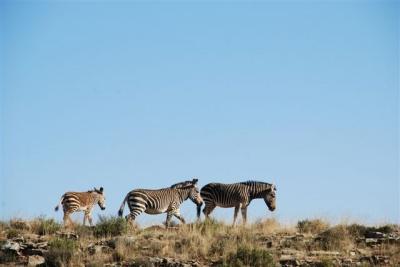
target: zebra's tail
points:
(121, 209)
(58, 206)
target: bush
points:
(246, 256)
(110, 226)
(19, 224)
(13, 233)
(312, 226)
(43, 226)
(60, 252)
(359, 231)
(335, 238)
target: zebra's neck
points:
(183, 194)
(257, 190)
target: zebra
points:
(237, 195)
(81, 201)
(187, 183)
(165, 200)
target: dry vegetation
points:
(265, 243)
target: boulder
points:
(35, 260)
(11, 245)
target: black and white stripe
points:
(237, 195)
(166, 200)
(81, 201)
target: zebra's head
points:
(101, 199)
(270, 198)
(193, 194)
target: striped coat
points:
(237, 195)
(165, 200)
(81, 201)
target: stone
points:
(371, 241)
(372, 234)
(324, 253)
(68, 235)
(287, 260)
(35, 260)
(10, 245)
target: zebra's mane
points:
(185, 184)
(99, 191)
(250, 182)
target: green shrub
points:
(312, 226)
(43, 226)
(110, 226)
(246, 256)
(60, 252)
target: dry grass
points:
(207, 242)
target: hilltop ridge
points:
(112, 242)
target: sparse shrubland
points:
(113, 241)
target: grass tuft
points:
(312, 226)
(110, 226)
(249, 256)
(61, 252)
(43, 226)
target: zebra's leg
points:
(66, 219)
(85, 216)
(131, 218)
(169, 216)
(244, 214)
(90, 219)
(178, 215)
(235, 214)
(209, 207)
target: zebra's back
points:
(73, 201)
(151, 201)
(224, 195)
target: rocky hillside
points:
(114, 243)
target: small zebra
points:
(81, 201)
(238, 195)
(165, 200)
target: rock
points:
(324, 253)
(68, 235)
(352, 253)
(35, 260)
(292, 252)
(371, 241)
(372, 234)
(287, 260)
(10, 245)
(35, 251)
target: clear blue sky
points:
(135, 95)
